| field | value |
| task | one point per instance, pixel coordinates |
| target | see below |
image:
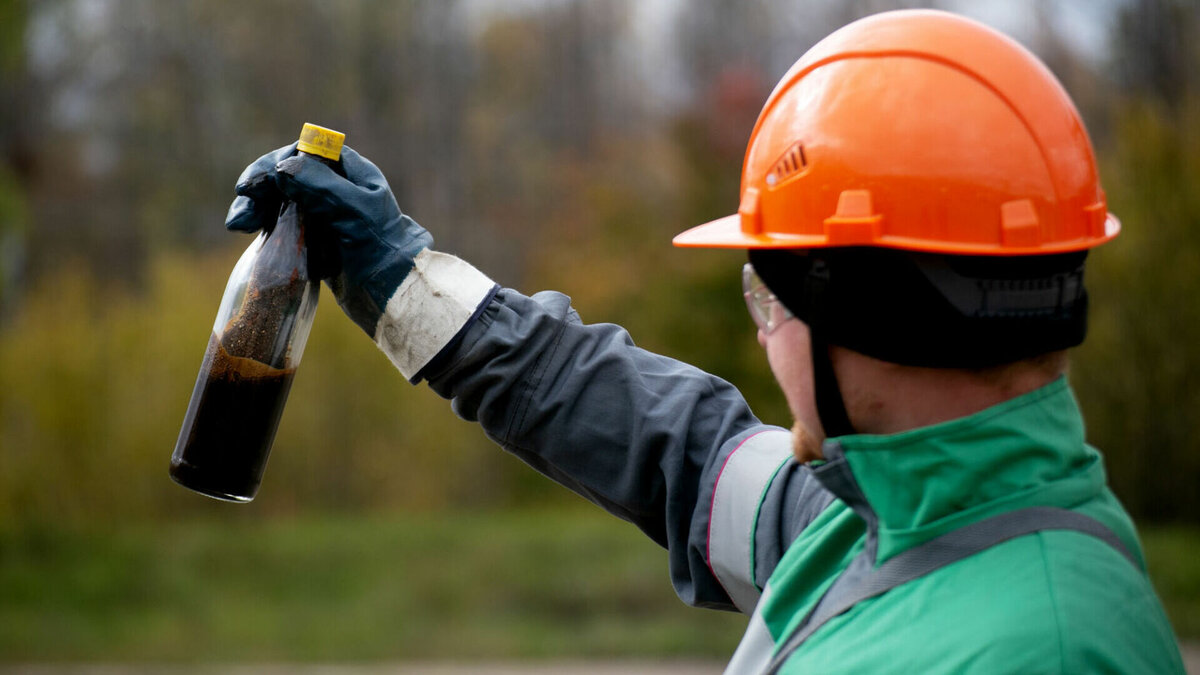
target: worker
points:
(918, 198)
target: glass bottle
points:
(257, 341)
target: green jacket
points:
(1050, 602)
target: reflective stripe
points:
(737, 495)
(850, 589)
(754, 652)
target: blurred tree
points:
(155, 107)
(552, 110)
(17, 140)
(557, 144)
(1137, 372)
(732, 53)
(1155, 50)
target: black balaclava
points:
(924, 309)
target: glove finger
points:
(258, 197)
(259, 177)
(251, 215)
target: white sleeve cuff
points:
(434, 302)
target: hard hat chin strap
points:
(831, 407)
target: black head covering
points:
(923, 309)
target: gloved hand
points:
(375, 242)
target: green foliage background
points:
(1136, 374)
(534, 145)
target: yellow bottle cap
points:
(321, 142)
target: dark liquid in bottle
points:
(230, 424)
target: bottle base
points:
(179, 474)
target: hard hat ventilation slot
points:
(791, 163)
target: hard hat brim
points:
(727, 232)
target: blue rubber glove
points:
(375, 242)
(258, 197)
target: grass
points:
(526, 585)
(523, 585)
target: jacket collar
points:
(915, 485)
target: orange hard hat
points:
(918, 130)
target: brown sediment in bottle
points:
(252, 334)
(226, 365)
(273, 294)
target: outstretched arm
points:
(662, 444)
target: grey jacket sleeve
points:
(644, 436)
